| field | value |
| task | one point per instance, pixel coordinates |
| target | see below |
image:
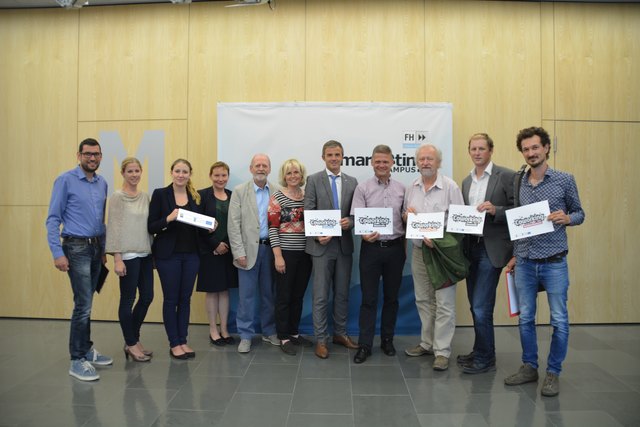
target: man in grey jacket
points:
(332, 256)
(489, 187)
(249, 238)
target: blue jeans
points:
(139, 278)
(481, 288)
(554, 277)
(84, 267)
(177, 277)
(257, 281)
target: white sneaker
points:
(244, 346)
(271, 339)
(83, 370)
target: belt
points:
(553, 258)
(264, 242)
(385, 243)
(87, 240)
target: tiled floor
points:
(600, 384)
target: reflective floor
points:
(600, 384)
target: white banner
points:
(298, 130)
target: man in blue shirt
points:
(249, 240)
(77, 204)
(542, 260)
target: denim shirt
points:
(78, 205)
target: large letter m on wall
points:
(151, 149)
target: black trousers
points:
(380, 262)
(290, 289)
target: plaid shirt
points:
(560, 189)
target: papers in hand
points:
(465, 219)
(370, 220)
(194, 218)
(322, 223)
(529, 220)
(512, 295)
(430, 225)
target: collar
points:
(487, 171)
(257, 188)
(79, 173)
(329, 173)
(418, 182)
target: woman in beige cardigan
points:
(130, 244)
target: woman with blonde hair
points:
(130, 244)
(175, 252)
(292, 263)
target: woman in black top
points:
(217, 272)
(175, 252)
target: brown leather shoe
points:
(322, 351)
(345, 341)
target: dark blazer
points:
(208, 241)
(163, 202)
(496, 233)
(318, 196)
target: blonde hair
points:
(286, 166)
(190, 188)
(127, 161)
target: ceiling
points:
(30, 4)
(27, 4)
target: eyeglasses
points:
(90, 155)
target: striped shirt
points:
(286, 222)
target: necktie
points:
(334, 190)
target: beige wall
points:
(573, 68)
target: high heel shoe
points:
(135, 358)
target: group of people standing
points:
(259, 245)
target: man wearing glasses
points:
(77, 204)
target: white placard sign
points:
(369, 220)
(429, 225)
(529, 220)
(465, 219)
(322, 223)
(194, 218)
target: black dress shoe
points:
(190, 354)
(178, 356)
(464, 359)
(219, 342)
(388, 348)
(361, 355)
(474, 367)
(229, 340)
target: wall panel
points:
(38, 111)
(484, 57)
(133, 62)
(67, 74)
(597, 49)
(246, 54)
(365, 51)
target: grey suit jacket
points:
(243, 226)
(495, 232)
(318, 196)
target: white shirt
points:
(478, 188)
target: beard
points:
(260, 177)
(428, 173)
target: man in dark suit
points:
(490, 188)
(332, 256)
